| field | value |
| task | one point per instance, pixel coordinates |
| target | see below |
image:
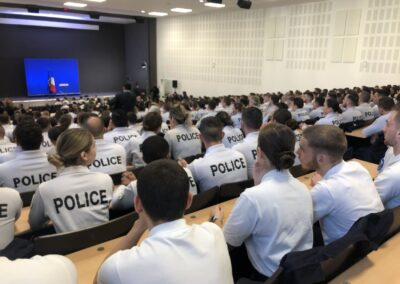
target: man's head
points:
(211, 130)
(44, 123)
(95, 125)
(365, 97)
(163, 191)
(127, 87)
(392, 128)
(118, 118)
(28, 135)
(251, 119)
(385, 105)
(351, 100)
(321, 145)
(155, 148)
(152, 122)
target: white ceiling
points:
(134, 7)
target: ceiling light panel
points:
(158, 14)
(181, 10)
(75, 4)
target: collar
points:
(120, 129)
(73, 170)
(31, 154)
(331, 114)
(252, 136)
(332, 171)
(215, 148)
(274, 173)
(166, 228)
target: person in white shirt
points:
(77, 198)
(388, 180)
(161, 203)
(298, 112)
(153, 148)
(219, 165)
(318, 108)
(386, 105)
(251, 123)
(232, 135)
(5, 145)
(275, 216)
(332, 113)
(47, 269)
(110, 157)
(10, 210)
(376, 96)
(30, 167)
(183, 138)
(308, 99)
(227, 105)
(120, 132)
(364, 107)
(237, 114)
(271, 108)
(342, 191)
(8, 128)
(209, 113)
(44, 123)
(351, 113)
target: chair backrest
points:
(66, 243)
(192, 158)
(204, 199)
(395, 227)
(27, 198)
(233, 190)
(116, 178)
(298, 171)
(336, 265)
(275, 278)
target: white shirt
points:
(366, 111)
(236, 118)
(46, 143)
(345, 194)
(331, 118)
(308, 106)
(232, 136)
(272, 219)
(9, 128)
(165, 116)
(388, 181)
(110, 158)
(77, 199)
(174, 253)
(123, 196)
(377, 126)
(300, 114)
(133, 149)
(6, 146)
(164, 128)
(120, 135)
(183, 141)
(318, 112)
(10, 209)
(218, 166)
(351, 114)
(27, 171)
(207, 114)
(248, 147)
(47, 269)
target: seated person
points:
(110, 157)
(332, 113)
(120, 132)
(154, 148)
(388, 180)
(219, 165)
(5, 145)
(318, 108)
(232, 135)
(30, 166)
(351, 113)
(45, 125)
(180, 253)
(364, 107)
(299, 113)
(275, 216)
(342, 191)
(47, 269)
(77, 198)
(385, 106)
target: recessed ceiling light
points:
(181, 10)
(74, 4)
(143, 12)
(158, 14)
(214, 5)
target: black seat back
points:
(204, 199)
(27, 198)
(233, 190)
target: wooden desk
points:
(88, 261)
(22, 224)
(379, 266)
(357, 133)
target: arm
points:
(37, 215)
(387, 185)
(376, 127)
(322, 201)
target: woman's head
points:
(74, 147)
(178, 114)
(276, 143)
(331, 105)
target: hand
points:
(139, 226)
(127, 178)
(217, 212)
(315, 179)
(182, 163)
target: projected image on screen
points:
(51, 77)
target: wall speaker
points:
(174, 84)
(244, 4)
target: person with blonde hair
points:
(77, 198)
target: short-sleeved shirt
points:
(174, 253)
(120, 135)
(351, 114)
(110, 158)
(272, 219)
(366, 111)
(377, 126)
(330, 119)
(183, 141)
(10, 209)
(232, 136)
(248, 147)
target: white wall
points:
(338, 43)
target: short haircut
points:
(119, 118)
(152, 121)
(386, 103)
(163, 188)
(154, 148)
(252, 117)
(44, 122)
(298, 102)
(95, 125)
(4, 118)
(179, 113)
(54, 132)
(277, 142)
(365, 97)
(211, 129)
(212, 104)
(326, 138)
(283, 116)
(227, 100)
(274, 99)
(225, 118)
(65, 121)
(238, 106)
(334, 105)
(131, 116)
(82, 117)
(28, 135)
(353, 97)
(319, 100)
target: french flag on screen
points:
(52, 84)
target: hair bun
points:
(285, 160)
(56, 160)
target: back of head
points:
(283, 116)
(386, 103)
(274, 99)
(212, 104)
(4, 118)
(211, 129)
(353, 97)
(238, 106)
(225, 118)
(152, 121)
(334, 105)
(155, 148)
(65, 121)
(319, 101)
(28, 135)
(55, 132)
(179, 113)
(277, 142)
(119, 118)
(132, 118)
(95, 125)
(82, 117)
(70, 146)
(128, 86)
(44, 123)
(298, 102)
(252, 117)
(327, 139)
(163, 188)
(365, 97)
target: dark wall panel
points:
(101, 55)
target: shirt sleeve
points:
(376, 127)
(241, 222)
(108, 272)
(123, 196)
(37, 215)
(322, 201)
(387, 183)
